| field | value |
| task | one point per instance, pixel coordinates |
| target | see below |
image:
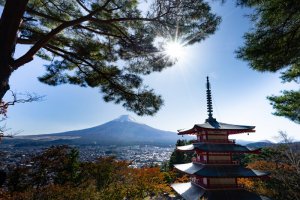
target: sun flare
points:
(174, 50)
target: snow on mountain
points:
(125, 118)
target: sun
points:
(174, 50)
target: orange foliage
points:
(106, 178)
(246, 183)
(281, 179)
(269, 166)
(182, 179)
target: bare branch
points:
(15, 98)
(6, 132)
(292, 155)
(25, 98)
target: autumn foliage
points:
(57, 174)
(283, 183)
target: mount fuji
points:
(124, 130)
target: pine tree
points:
(274, 45)
(105, 44)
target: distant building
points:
(213, 172)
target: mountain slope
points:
(121, 131)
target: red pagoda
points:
(213, 172)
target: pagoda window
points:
(193, 179)
(204, 181)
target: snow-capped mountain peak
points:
(125, 118)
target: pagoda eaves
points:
(191, 191)
(213, 147)
(218, 126)
(219, 171)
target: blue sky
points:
(239, 93)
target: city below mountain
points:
(124, 130)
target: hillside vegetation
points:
(57, 174)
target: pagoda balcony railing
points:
(231, 141)
(225, 162)
(215, 186)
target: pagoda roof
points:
(233, 171)
(189, 191)
(213, 147)
(212, 124)
(220, 125)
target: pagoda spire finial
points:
(209, 100)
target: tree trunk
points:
(9, 24)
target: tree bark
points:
(9, 24)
